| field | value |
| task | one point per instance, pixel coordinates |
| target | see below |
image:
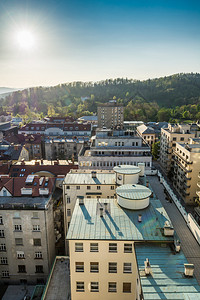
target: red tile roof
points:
(14, 185)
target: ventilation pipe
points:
(101, 212)
(147, 266)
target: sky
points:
(88, 40)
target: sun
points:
(25, 39)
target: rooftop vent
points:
(168, 229)
(147, 266)
(106, 206)
(177, 245)
(81, 200)
(189, 270)
(101, 212)
(94, 174)
(139, 218)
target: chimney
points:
(177, 245)
(94, 174)
(189, 270)
(168, 229)
(101, 212)
(147, 266)
(106, 206)
(139, 218)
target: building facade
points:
(110, 115)
(115, 147)
(169, 137)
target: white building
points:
(115, 147)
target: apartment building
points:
(110, 148)
(147, 133)
(186, 168)
(62, 148)
(110, 115)
(107, 241)
(169, 136)
(27, 235)
(57, 129)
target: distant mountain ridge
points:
(5, 90)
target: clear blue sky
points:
(94, 40)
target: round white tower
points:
(127, 174)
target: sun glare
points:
(25, 39)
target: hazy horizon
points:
(46, 43)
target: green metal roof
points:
(86, 178)
(127, 169)
(167, 280)
(117, 223)
(133, 191)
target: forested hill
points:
(83, 97)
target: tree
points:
(156, 150)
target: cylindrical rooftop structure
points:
(126, 174)
(133, 196)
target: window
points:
(94, 287)
(4, 261)
(39, 269)
(1, 220)
(38, 254)
(69, 212)
(80, 286)
(112, 287)
(127, 268)
(174, 139)
(5, 274)
(88, 187)
(126, 287)
(79, 266)
(67, 187)
(78, 187)
(128, 248)
(35, 215)
(16, 215)
(20, 254)
(18, 227)
(21, 269)
(2, 247)
(36, 242)
(2, 235)
(112, 247)
(122, 143)
(112, 267)
(112, 187)
(36, 227)
(68, 199)
(94, 247)
(94, 267)
(19, 242)
(98, 187)
(78, 247)
(182, 138)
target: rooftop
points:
(133, 191)
(167, 280)
(58, 286)
(81, 177)
(117, 223)
(126, 169)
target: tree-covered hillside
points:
(173, 97)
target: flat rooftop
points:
(117, 223)
(58, 285)
(81, 177)
(166, 280)
(24, 202)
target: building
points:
(14, 153)
(110, 148)
(58, 129)
(89, 119)
(186, 168)
(33, 144)
(62, 148)
(147, 133)
(110, 115)
(118, 246)
(27, 235)
(169, 137)
(132, 125)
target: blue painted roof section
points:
(167, 280)
(117, 223)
